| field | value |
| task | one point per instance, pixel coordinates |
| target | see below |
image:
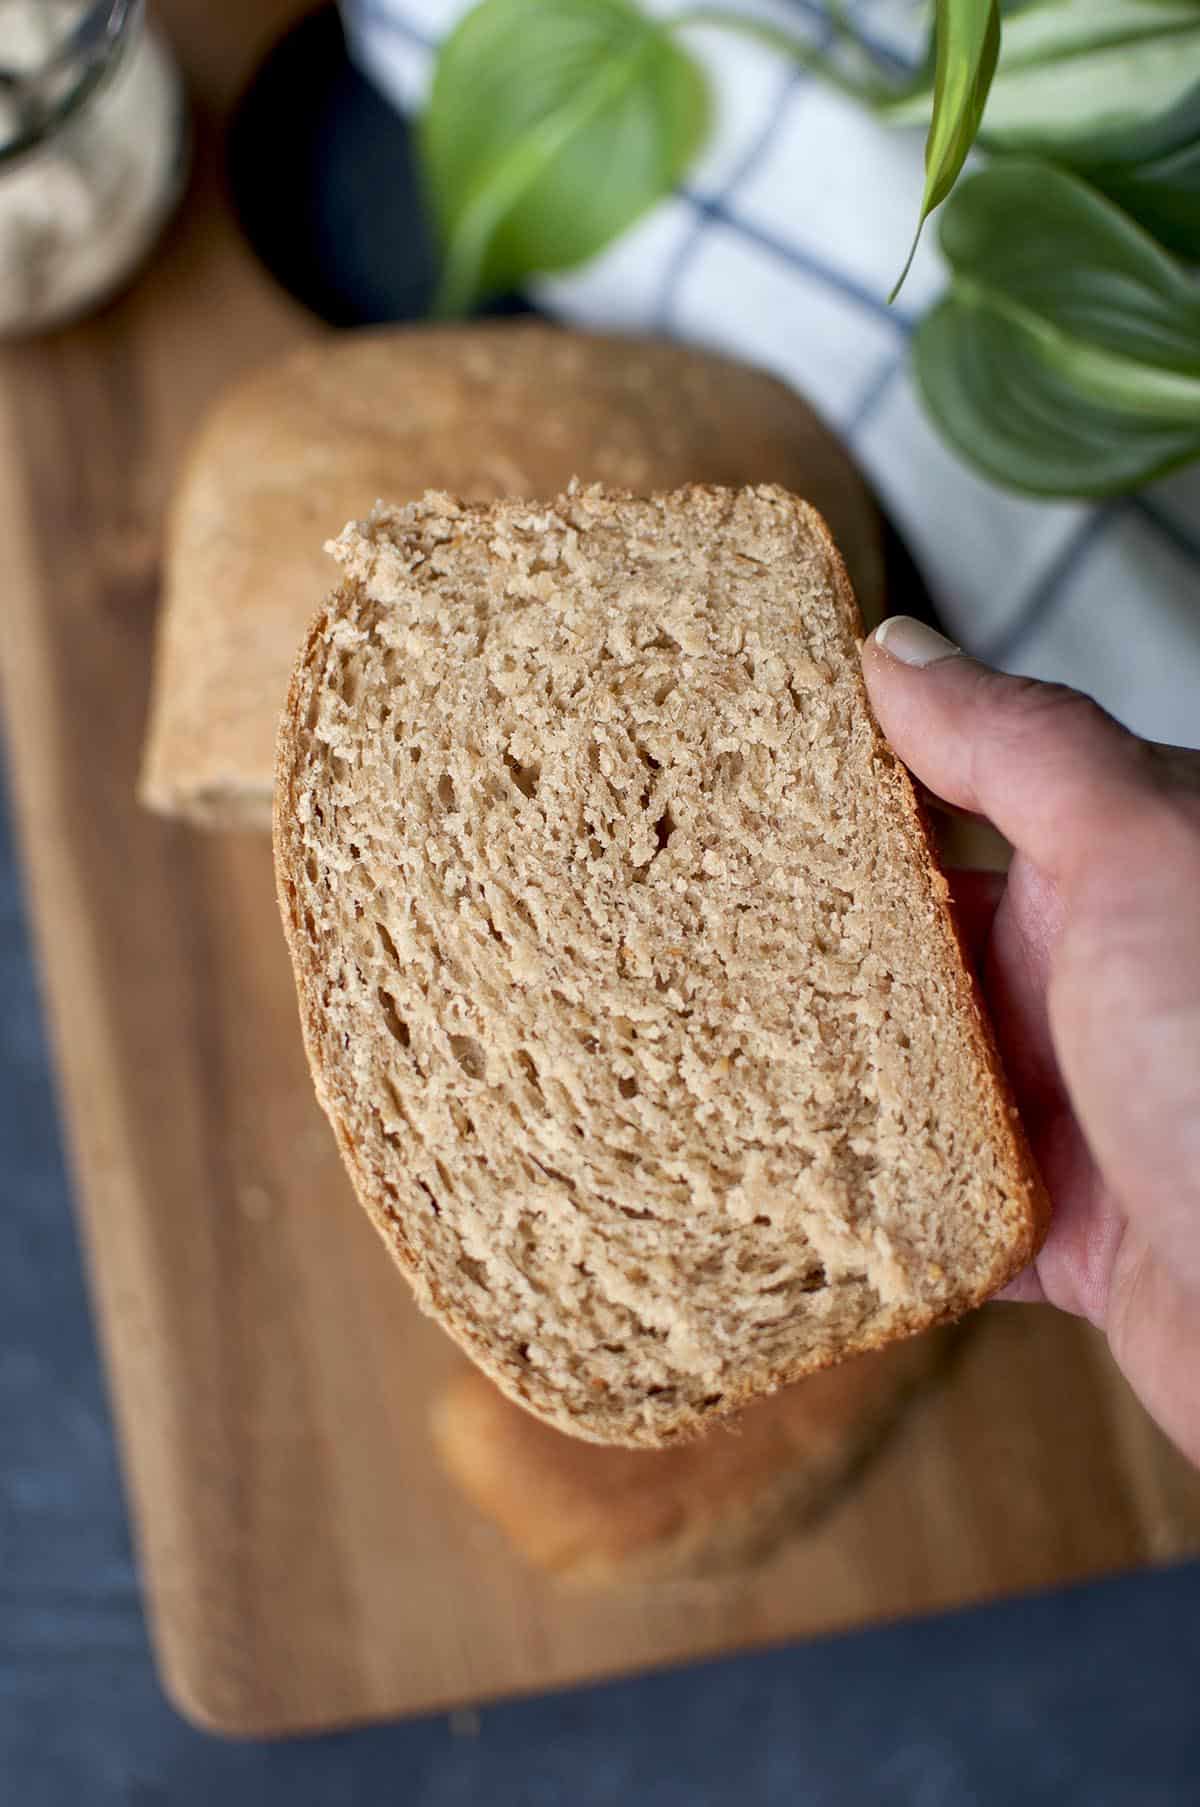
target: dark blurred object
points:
(323, 174)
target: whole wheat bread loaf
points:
(600, 1517)
(627, 974)
(513, 408)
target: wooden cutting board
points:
(305, 1563)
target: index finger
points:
(1045, 764)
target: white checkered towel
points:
(782, 247)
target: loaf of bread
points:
(627, 974)
(508, 408)
(600, 1517)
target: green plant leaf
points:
(1162, 194)
(1001, 400)
(967, 37)
(1066, 358)
(1119, 102)
(552, 125)
(1088, 81)
(1146, 156)
(1050, 29)
(1042, 240)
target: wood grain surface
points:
(305, 1564)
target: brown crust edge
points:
(1024, 1180)
(713, 1540)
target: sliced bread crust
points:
(626, 970)
(594, 1516)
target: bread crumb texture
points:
(627, 976)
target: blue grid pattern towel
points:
(782, 248)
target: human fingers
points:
(1054, 773)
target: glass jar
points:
(93, 135)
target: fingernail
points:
(912, 642)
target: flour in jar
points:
(80, 208)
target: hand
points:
(1089, 955)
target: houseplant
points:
(1064, 358)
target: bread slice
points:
(601, 1517)
(515, 408)
(627, 974)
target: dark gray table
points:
(1090, 1696)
